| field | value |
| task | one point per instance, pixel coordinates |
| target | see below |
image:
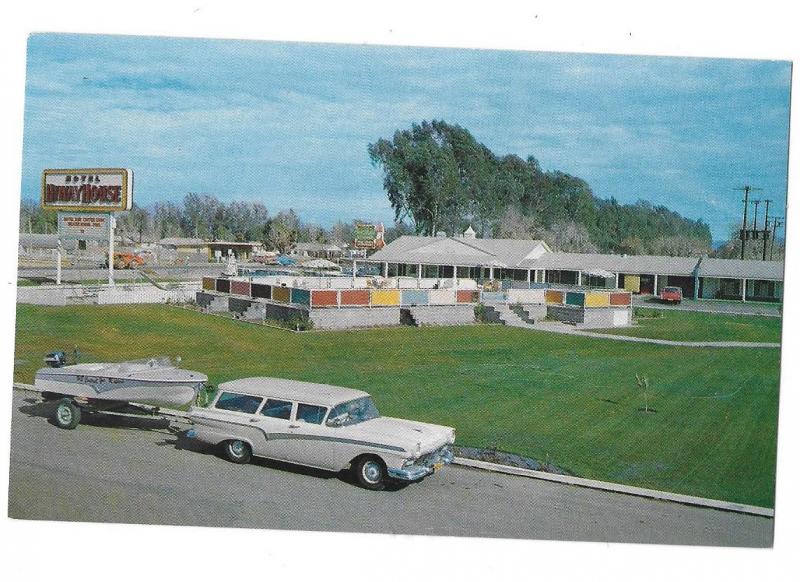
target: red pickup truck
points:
(671, 295)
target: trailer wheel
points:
(237, 451)
(67, 415)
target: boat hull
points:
(163, 392)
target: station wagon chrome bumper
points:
(423, 466)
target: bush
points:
(480, 313)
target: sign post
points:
(86, 200)
(111, 226)
(58, 261)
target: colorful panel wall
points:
(282, 294)
(209, 284)
(354, 297)
(467, 296)
(574, 298)
(261, 291)
(324, 298)
(240, 288)
(224, 285)
(385, 297)
(301, 296)
(597, 299)
(414, 297)
(553, 297)
(620, 298)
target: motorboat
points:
(153, 381)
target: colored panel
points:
(598, 299)
(574, 298)
(209, 284)
(261, 291)
(632, 283)
(552, 297)
(385, 297)
(620, 298)
(282, 294)
(240, 288)
(467, 296)
(224, 285)
(301, 296)
(498, 296)
(324, 298)
(414, 297)
(354, 297)
(441, 297)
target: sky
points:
(288, 124)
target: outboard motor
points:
(56, 359)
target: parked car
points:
(322, 426)
(671, 295)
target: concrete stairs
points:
(502, 313)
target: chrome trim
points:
(423, 466)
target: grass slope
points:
(698, 326)
(570, 400)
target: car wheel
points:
(238, 451)
(67, 415)
(370, 472)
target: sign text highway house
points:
(87, 190)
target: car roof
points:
(309, 392)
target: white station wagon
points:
(320, 426)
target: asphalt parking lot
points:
(141, 470)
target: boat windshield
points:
(353, 412)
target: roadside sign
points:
(83, 226)
(87, 190)
(368, 236)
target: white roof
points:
(741, 269)
(462, 251)
(322, 394)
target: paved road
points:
(143, 471)
(710, 306)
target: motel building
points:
(521, 264)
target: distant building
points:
(316, 250)
(219, 250)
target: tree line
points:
(205, 216)
(440, 178)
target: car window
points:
(277, 409)
(311, 413)
(238, 402)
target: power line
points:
(743, 232)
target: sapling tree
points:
(644, 384)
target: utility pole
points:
(743, 233)
(776, 222)
(766, 229)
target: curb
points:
(618, 488)
(564, 479)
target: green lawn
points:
(569, 400)
(698, 326)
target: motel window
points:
(446, 272)
(81, 245)
(463, 272)
(430, 271)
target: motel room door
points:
(646, 284)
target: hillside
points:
(441, 178)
